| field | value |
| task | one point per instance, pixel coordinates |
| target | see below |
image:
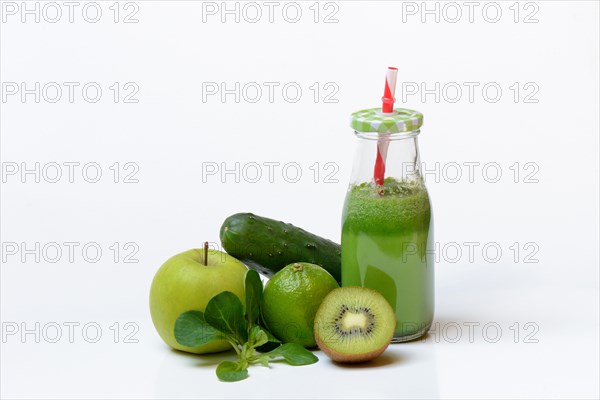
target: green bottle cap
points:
(373, 120)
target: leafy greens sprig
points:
(225, 318)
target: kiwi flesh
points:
(354, 324)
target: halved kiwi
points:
(354, 324)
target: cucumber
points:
(267, 245)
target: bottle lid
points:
(373, 120)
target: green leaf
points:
(272, 342)
(191, 329)
(257, 337)
(262, 360)
(229, 371)
(225, 313)
(294, 354)
(254, 289)
(270, 336)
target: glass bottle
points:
(387, 225)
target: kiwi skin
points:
(352, 358)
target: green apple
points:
(184, 283)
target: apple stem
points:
(205, 253)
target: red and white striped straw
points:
(387, 107)
(390, 89)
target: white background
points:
(171, 134)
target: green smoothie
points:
(387, 245)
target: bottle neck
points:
(399, 153)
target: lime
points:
(291, 299)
